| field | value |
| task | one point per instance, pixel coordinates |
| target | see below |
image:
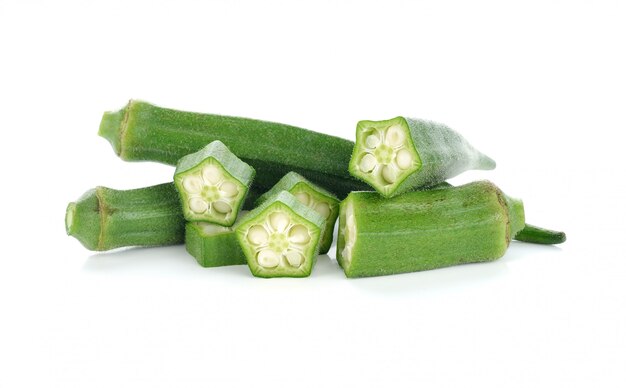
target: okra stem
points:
(537, 235)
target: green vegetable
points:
(424, 230)
(141, 131)
(212, 184)
(315, 197)
(280, 238)
(399, 155)
(534, 234)
(104, 218)
(213, 245)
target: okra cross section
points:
(280, 238)
(313, 196)
(212, 184)
(403, 154)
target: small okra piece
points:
(280, 238)
(213, 245)
(313, 196)
(105, 218)
(212, 184)
(429, 229)
(402, 154)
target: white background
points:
(538, 86)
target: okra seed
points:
(257, 235)
(279, 221)
(372, 141)
(323, 209)
(198, 205)
(192, 184)
(302, 197)
(390, 174)
(211, 174)
(294, 258)
(395, 136)
(299, 234)
(368, 162)
(268, 258)
(229, 189)
(404, 159)
(222, 207)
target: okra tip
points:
(69, 217)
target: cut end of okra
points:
(213, 245)
(384, 154)
(312, 196)
(280, 238)
(212, 184)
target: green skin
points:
(296, 183)
(424, 230)
(439, 153)
(537, 235)
(141, 131)
(213, 249)
(104, 218)
(232, 167)
(286, 202)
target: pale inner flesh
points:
(321, 207)
(385, 154)
(349, 234)
(210, 193)
(279, 241)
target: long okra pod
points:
(141, 131)
(425, 230)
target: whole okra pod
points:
(424, 230)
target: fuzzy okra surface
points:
(424, 230)
(142, 131)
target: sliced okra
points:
(212, 184)
(313, 196)
(213, 245)
(280, 238)
(403, 154)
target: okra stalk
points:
(537, 235)
(313, 196)
(141, 131)
(424, 230)
(402, 154)
(105, 218)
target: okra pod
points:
(280, 238)
(105, 218)
(141, 131)
(424, 230)
(212, 184)
(213, 245)
(313, 196)
(402, 154)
